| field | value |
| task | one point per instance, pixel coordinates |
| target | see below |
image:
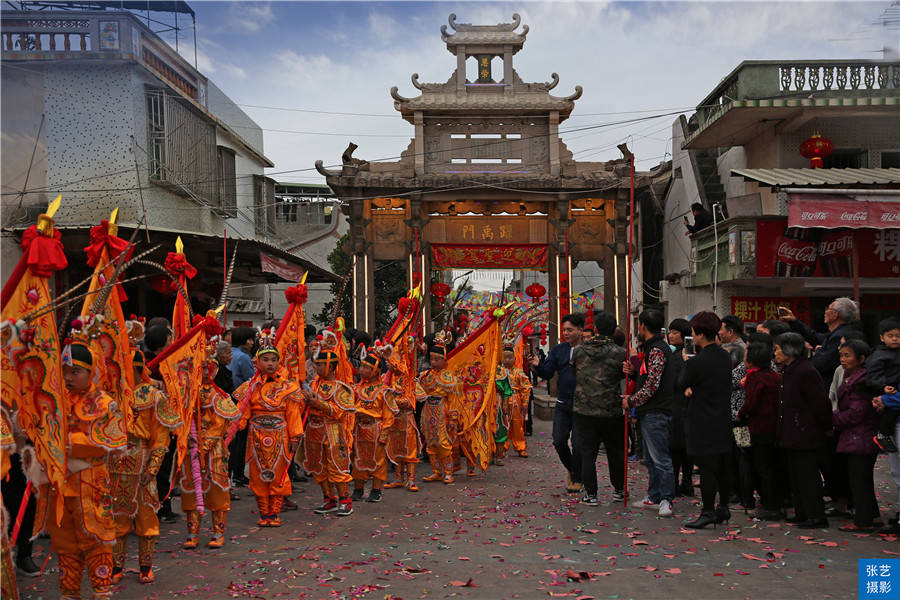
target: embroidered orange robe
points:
(275, 420)
(442, 393)
(375, 412)
(521, 385)
(217, 411)
(404, 440)
(86, 531)
(154, 417)
(325, 443)
(8, 588)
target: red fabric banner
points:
(820, 210)
(280, 267)
(489, 256)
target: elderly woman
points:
(804, 416)
(707, 386)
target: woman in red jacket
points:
(857, 423)
(760, 410)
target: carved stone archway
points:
(486, 168)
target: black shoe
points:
(27, 567)
(236, 482)
(374, 496)
(589, 500)
(702, 521)
(891, 529)
(345, 508)
(169, 517)
(234, 495)
(768, 515)
(723, 515)
(357, 495)
(288, 504)
(886, 443)
(242, 479)
(814, 524)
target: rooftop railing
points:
(769, 80)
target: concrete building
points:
(739, 156)
(99, 108)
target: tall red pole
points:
(628, 316)
(225, 275)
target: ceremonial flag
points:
(114, 371)
(474, 362)
(290, 339)
(31, 362)
(177, 266)
(181, 367)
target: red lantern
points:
(440, 290)
(536, 291)
(815, 149)
(160, 284)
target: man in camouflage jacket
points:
(597, 407)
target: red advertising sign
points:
(756, 309)
(280, 267)
(784, 251)
(489, 256)
(820, 210)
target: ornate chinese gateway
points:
(486, 181)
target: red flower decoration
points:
(297, 294)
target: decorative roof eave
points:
(502, 34)
(523, 101)
(367, 185)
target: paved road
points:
(512, 533)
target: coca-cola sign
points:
(832, 210)
(840, 244)
(796, 252)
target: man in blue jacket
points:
(559, 361)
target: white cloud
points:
(627, 56)
(249, 17)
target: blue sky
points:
(630, 56)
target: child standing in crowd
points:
(760, 410)
(856, 421)
(883, 377)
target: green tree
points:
(390, 286)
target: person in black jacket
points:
(681, 462)
(559, 362)
(652, 403)
(702, 219)
(707, 386)
(838, 316)
(804, 416)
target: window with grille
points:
(227, 181)
(182, 148)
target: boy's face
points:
(323, 369)
(675, 338)
(436, 360)
(268, 363)
(891, 338)
(78, 379)
(509, 359)
(365, 371)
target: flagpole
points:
(224, 274)
(628, 316)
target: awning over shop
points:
(820, 177)
(843, 210)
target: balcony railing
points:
(47, 35)
(770, 80)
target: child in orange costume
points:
(87, 530)
(521, 386)
(325, 443)
(8, 588)
(216, 412)
(442, 396)
(135, 497)
(274, 414)
(404, 440)
(375, 412)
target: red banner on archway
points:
(489, 256)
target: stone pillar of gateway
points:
(486, 174)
